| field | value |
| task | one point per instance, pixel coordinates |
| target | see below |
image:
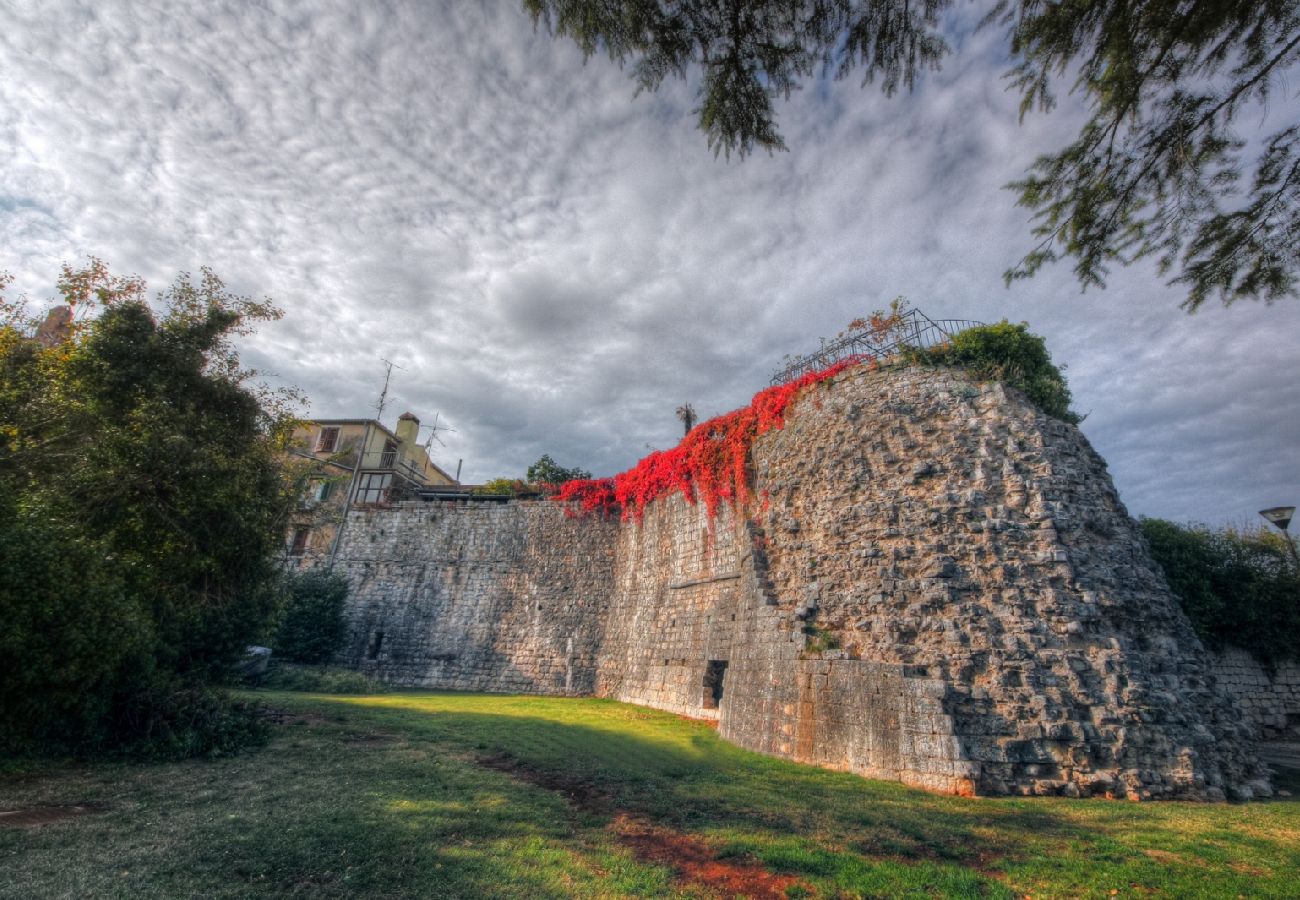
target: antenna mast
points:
(433, 433)
(383, 395)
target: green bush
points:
(319, 680)
(312, 629)
(142, 506)
(499, 487)
(1007, 353)
(1239, 588)
(193, 721)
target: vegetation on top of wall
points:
(312, 628)
(710, 464)
(1008, 353)
(499, 487)
(1238, 587)
(546, 472)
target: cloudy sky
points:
(557, 264)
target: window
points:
(376, 642)
(323, 490)
(300, 536)
(373, 487)
(328, 440)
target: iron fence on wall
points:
(910, 328)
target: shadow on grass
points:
(858, 835)
(315, 814)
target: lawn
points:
(466, 795)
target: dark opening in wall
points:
(376, 641)
(714, 673)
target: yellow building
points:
(356, 462)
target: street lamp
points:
(1281, 517)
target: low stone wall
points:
(1270, 700)
(936, 583)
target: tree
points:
(686, 415)
(548, 471)
(1156, 171)
(1237, 586)
(141, 471)
(312, 628)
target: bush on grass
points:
(312, 628)
(285, 676)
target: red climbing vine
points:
(710, 464)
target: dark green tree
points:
(1238, 587)
(312, 629)
(1156, 171)
(548, 471)
(146, 502)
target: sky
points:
(554, 263)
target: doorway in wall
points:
(714, 674)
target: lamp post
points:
(1281, 517)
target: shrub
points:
(499, 487)
(1006, 353)
(1238, 587)
(312, 629)
(319, 680)
(142, 504)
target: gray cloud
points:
(555, 264)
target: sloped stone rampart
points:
(950, 527)
(936, 584)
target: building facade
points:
(354, 463)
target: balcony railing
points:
(392, 460)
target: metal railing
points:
(908, 328)
(391, 460)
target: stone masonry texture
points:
(935, 583)
(1270, 698)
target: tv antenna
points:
(433, 433)
(383, 395)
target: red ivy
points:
(711, 463)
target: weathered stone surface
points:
(484, 596)
(936, 584)
(1270, 699)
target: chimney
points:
(408, 428)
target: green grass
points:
(442, 795)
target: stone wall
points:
(935, 583)
(951, 528)
(480, 596)
(1269, 699)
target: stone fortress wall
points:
(935, 583)
(1270, 699)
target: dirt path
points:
(33, 816)
(695, 862)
